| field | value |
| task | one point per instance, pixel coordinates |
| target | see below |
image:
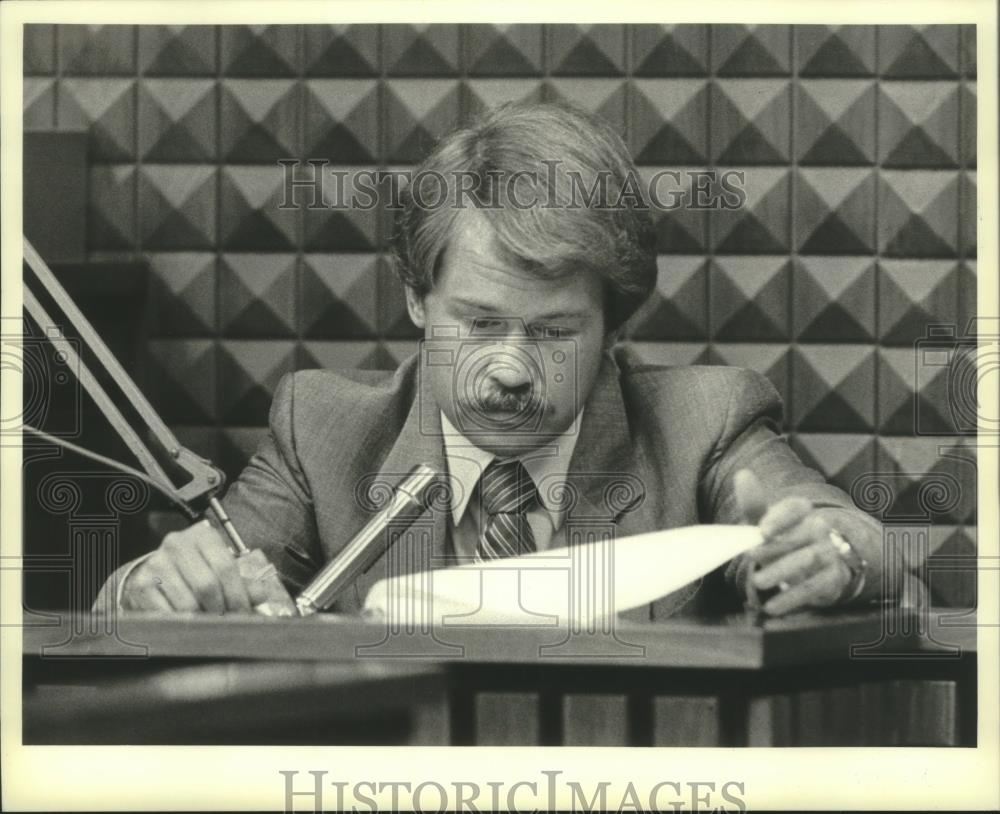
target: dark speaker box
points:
(55, 194)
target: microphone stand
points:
(204, 481)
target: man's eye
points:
(550, 331)
(489, 324)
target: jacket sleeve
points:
(750, 439)
(109, 598)
(270, 503)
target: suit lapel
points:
(609, 480)
(602, 484)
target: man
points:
(524, 243)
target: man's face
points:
(511, 355)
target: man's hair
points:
(558, 155)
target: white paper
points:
(582, 585)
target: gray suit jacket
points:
(674, 436)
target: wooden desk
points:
(240, 702)
(811, 679)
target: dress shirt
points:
(547, 466)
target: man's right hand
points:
(193, 570)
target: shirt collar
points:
(548, 465)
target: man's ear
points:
(415, 306)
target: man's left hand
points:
(797, 556)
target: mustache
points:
(503, 401)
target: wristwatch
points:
(857, 565)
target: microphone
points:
(406, 505)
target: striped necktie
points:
(506, 491)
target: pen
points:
(227, 526)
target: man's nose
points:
(510, 374)
(508, 368)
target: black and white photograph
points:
(376, 381)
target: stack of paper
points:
(579, 585)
